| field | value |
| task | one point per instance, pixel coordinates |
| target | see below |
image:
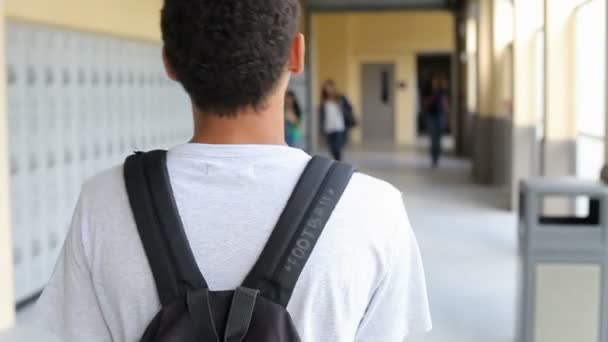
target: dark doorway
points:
(429, 66)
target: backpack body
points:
(254, 312)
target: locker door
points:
(99, 118)
(16, 78)
(164, 126)
(53, 149)
(71, 180)
(84, 107)
(158, 128)
(123, 119)
(139, 94)
(108, 100)
(147, 99)
(36, 187)
(115, 99)
(64, 112)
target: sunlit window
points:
(590, 87)
(539, 87)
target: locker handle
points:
(36, 248)
(83, 154)
(66, 77)
(97, 151)
(68, 156)
(33, 166)
(53, 241)
(82, 77)
(17, 256)
(51, 161)
(14, 166)
(11, 77)
(95, 78)
(31, 76)
(50, 77)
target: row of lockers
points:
(77, 103)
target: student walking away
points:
(337, 118)
(235, 236)
(438, 107)
(293, 120)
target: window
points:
(590, 54)
(539, 87)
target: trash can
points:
(563, 279)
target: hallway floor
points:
(468, 244)
(467, 241)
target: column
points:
(559, 144)
(7, 303)
(529, 19)
(485, 93)
(491, 145)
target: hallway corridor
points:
(468, 244)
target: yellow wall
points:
(132, 18)
(7, 314)
(343, 41)
(485, 59)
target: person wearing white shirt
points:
(336, 118)
(364, 280)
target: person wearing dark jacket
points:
(437, 109)
(337, 118)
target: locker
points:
(105, 108)
(15, 92)
(70, 114)
(98, 119)
(53, 144)
(122, 121)
(35, 187)
(66, 106)
(78, 103)
(112, 100)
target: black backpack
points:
(256, 311)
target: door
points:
(378, 103)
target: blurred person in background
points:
(437, 110)
(293, 120)
(337, 118)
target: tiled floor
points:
(467, 241)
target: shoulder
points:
(372, 202)
(104, 196)
(105, 184)
(364, 184)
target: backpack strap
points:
(298, 229)
(160, 227)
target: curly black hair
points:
(229, 54)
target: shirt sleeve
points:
(399, 305)
(68, 308)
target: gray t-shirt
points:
(363, 282)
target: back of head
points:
(229, 54)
